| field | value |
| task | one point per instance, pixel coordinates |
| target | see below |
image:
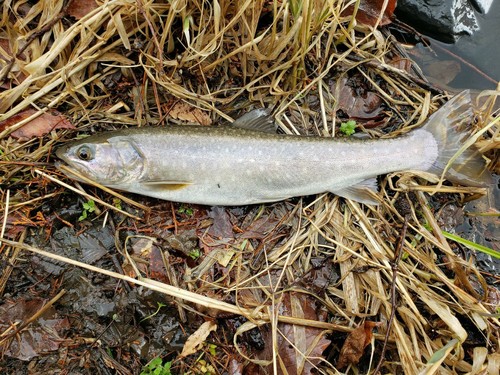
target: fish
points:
(248, 162)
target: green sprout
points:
(117, 203)
(348, 128)
(160, 305)
(195, 253)
(157, 367)
(88, 207)
(185, 210)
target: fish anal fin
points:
(362, 192)
(258, 120)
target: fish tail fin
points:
(460, 164)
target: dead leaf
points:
(37, 127)
(38, 338)
(369, 12)
(401, 63)
(357, 102)
(80, 8)
(221, 226)
(265, 223)
(15, 75)
(157, 269)
(198, 338)
(186, 112)
(6, 50)
(300, 348)
(355, 344)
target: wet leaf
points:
(221, 226)
(369, 12)
(157, 269)
(401, 63)
(37, 127)
(80, 8)
(358, 102)
(265, 223)
(197, 338)
(40, 337)
(299, 348)
(185, 112)
(355, 344)
(184, 242)
(18, 220)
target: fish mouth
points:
(60, 151)
(66, 169)
(60, 155)
(62, 162)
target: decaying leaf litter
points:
(282, 284)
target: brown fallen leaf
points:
(221, 226)
(401, 63)
(198, 338)
(186, 112)
(355, 344)
(299, 348)
(80, 8)
(358, 102)
(369, 12)
(41, 337)
(37, 127)
(6, 50)
(157, 269)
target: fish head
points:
(112, 161)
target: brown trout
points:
(240, 164)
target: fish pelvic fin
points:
(458, 159)
(166, 185)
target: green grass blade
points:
(472, 245)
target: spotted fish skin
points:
(232, 165)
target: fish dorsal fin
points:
(166, 185)
(258, 120)
(361, 192)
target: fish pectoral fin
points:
(258, 120)
(362, 192)
(166, 185)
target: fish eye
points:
(84, 153)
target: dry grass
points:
(126, 62)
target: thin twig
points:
(257, 315)
(395, 270)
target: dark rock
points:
(444, 20)
(482, 6)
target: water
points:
(481, 50)
(472, 62)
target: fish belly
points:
(240, 171)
